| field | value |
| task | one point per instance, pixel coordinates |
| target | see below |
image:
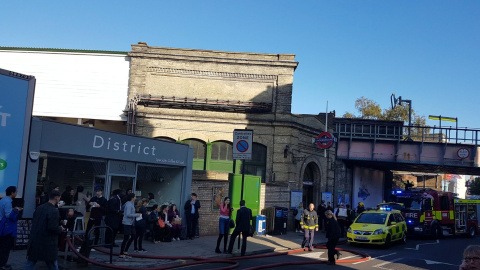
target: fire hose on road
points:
(233, 261)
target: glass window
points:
(257, 165)
(198, 153)
(222, 151)
(69, 172)
(167, 139)
(162, 184)
(444, 204)
(371, 218)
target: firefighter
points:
(309, 223)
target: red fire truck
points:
(430, 212)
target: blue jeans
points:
(52, 265)
(223, 225)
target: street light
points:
(399, 101)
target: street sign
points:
(463, 153)
(242, 143)
(324, 140)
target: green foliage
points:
(474, 188)
(369, 109)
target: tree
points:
(369, 109)
(474, 188)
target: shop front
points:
(75, 158)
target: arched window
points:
(258, 164)
(222, 151)
(198, 153)
(166, 139)
(221, 159)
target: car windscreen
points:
(372, 218)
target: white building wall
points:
(74, 85)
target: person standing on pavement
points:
(321, 215)
(114, 217)
(360, 208)
(244, 216)
(341, 215)
(191, 213)
(98, 209)
(128, 221)
(140, 225)
(223, 224)
(8, 225)
(471, 258)
(43, 242)
(309, 223)
(298, 216)
(333, 234)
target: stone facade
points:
(205, 95)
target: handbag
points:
(161, 223)
(177, 221)
(251, 231)
(231, 224)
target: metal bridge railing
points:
(408, 133)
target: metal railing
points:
(432, 134)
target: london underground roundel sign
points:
(324, 140)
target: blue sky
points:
(425, 51)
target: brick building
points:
(199, 97)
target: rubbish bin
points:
(261, 224)
(281, 216)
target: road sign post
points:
(242, 149)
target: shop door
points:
(121, 175)
(121, 182)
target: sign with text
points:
(16, 104)
(242, 144)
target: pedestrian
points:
(224, 225)
(98, 209)
(113, 218)
(350, 216)
(329, 207)
(341, 215)
(43, 242)
(81, 200)
(471, 258)
(309, 223)
(244, 216)
(191, 213)
(360, 208)
(333, 234)
(140, 225)
(298, 215)
(321, 215)
(8, 225)
(128, 221)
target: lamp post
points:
(399, 101)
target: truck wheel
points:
(471, 232)
(437, 232)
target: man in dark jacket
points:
(321, 215)
(309, 223)
(43, 242)
(191, 214)
(244, 216)
(333, 234)
(98, 209)
(114, 217)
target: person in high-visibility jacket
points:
(309, 223)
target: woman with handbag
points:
(224, 224)
(176, 221)
(166, 229)
(155, 221)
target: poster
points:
(295, 199)
(218, 195)
(368, 187)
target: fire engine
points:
(429, 212)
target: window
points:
(167, 139)
(444, 205)
(198, 153)
(258, 164)
(222, 151)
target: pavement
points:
(204, 246)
